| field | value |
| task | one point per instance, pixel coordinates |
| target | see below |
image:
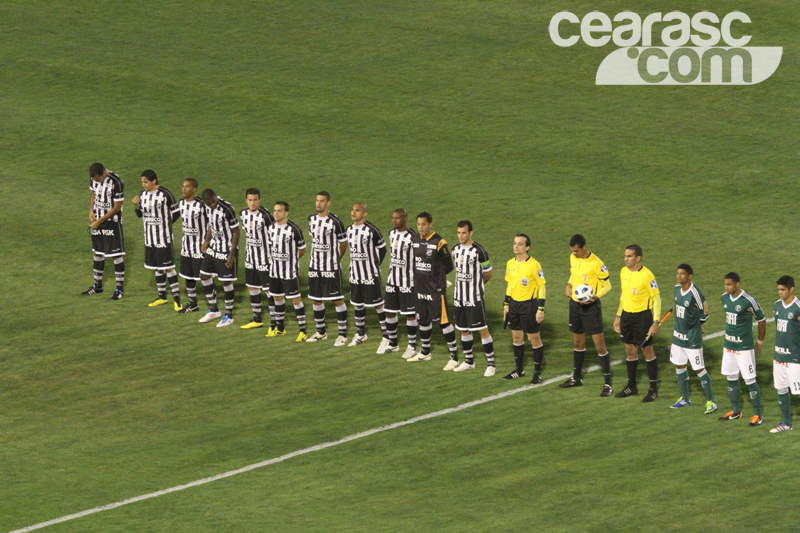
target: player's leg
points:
(698, 363)
(278, 293)
(578, 345)
(679, 357)
(412, 327)
(652, 371)
(425, 331)
(161, 287)
(488, 350)
(462, 322)
(538, 356)
(229, 295)
(391, 329)
(255, 305)
(270, 304)
(190, 271)
(746, 360)
(357, 294)
(174, 287)
(300, 313)
(449, 333)
(632, 363)
(341, 319)
(119, 276)
(391, 309)
(208, 269)
(319, 321)
(99, 265)
(780, 378)
(730, 369)
(518, 341)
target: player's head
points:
(732, 281)
(424, 224)
(149, 180)
(577, 246)
(189, 187)
(97, 171)
(684, 273)
(253, 198)
(786, 288)
(633, 255)
(359, 212)
(522, 243)
(464, 231)
(210, 198)
(399, 218)
(281, 212)
(323, 202)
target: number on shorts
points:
(697, 360)
(751, 369)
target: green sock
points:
(705, 381)
(683, 383)
(735, 392)
(755, 397)
(784, 400)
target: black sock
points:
(538, 358)
(191, 292)
(652, 373)
(605, 364)
(577, 364)
(99, 266)
(632, 372)
(519, 357)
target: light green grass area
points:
(464, 109)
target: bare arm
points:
(762, 331)
(234, 247)
(92, 218)
(487, 276)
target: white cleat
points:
(490, 371)
(358, 339)
(464, 366)
(392, 349)
(451, 365)
(211, 315)
(341, 340)
(410, 352)
(382, 346)
(317, 336)
(226, 321)
(419, 357)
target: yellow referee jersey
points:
(591, 271)
(639, 290)
(525, 279)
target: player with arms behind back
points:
(786, 368)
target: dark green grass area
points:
(463, 109)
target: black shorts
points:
(432, 308)
(107, 240)
(634, 327)
(470, 318)
(214, 264)
(586, 318)
(522, 316)
(159, 258)
(190, 267)
(399, 300)
(289, 288)
(325, 285)
(257, 278)
(367, 294)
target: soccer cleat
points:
(756, 420)
(358, 339)
(571, 382)
(227, 320)
(382, 346)
(117, 294)
(253, 324)
(680, 403)
(157, 302)
(94, 289)
(275, 333)
(536, 380)
(514, 374)
(627, 391)
(606, 392)
(177, 307)
(463, 366)
(392, 349)
(419, 357)
(411, 351)
(490, 371)
(209, 316)
(190, 309)
(710, 408)
(317, 336)
(451, 365)
(301, 337)
(651, 396)
(780, 427)
(341, 340)
(730, 415)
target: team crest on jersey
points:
(686, 303)
(653, 284)
(429, 252)
(738, 308)
(791, 316)
(524, 282)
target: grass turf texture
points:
(465, 109)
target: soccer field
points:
(464, 109)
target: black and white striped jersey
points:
(470, 262)
(365, 243)
(326, 234)
(285, 241)
(222, 220)
(157, 209)
(256, 225)
(194, 218)
(401, 266)
(107, 192)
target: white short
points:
(786, 376)
(734, 362)
(679, 355)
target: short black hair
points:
(733, 276)
(687, 268)
(427, 216)
(326, 194)
(465, 223)
(96, 169)
(284, 204)
(637, 250)
(578, 240)
(192, 181)
(527, 239)
(252, 190)
(150, 175)
(208, 194)
(786, 281)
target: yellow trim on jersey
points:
(638, 291)
(591, 271)
(525, 279)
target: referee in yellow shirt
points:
(524, 306)
(637, 320)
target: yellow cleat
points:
(253, 325)
(160, 301)
(178, 307)
(275, 333)
(301, 337)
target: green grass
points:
(464, 109)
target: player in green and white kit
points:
(786, 370)
(691, 312)
(739, 352)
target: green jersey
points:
(787, 331)
(690, 314)
(739, 312)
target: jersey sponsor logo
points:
(401, 263)
(390, 288)
(363, 282)
(405, 290)
(190, 231)
(464, 276)
(158, 245)
(319, 247)
(466, 304)
(359, 256)
(217, 255)
(782, 325)
(262, 268)
(278, 256)
(733, 338)
(255, 243)
(421, 265)
(425, 297)
(680, 336)
(152, 220)
(103, 232)
(524, 281)
(321, 274)
(102, 205)
(782, 351)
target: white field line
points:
(316, 448)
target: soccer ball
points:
(583, 293)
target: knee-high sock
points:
(300, 311)
(319, 316)
(391, 329)
(411, 331)
(466, 346)
(255, 303)
(174, 286)
(538, 358)
(271, 307)
(341, 318)
(605, 364)
(784, 401)
(488, 349)
(97, 269)
(191, 291)
(425, 334)
(735, 394)
(161, 284)
(632, 365)
(119, 271)
(360, 313)
(519, 357)
(280, 312)
(211, 294)
(229, 295)
(382, 322)
(755, 397)
(450, 336)
(652, 372)
(577, 363)
(682, 375)
(705, 381)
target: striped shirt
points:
(255, 224)
(222, 221)
(195, 224)
(471, 262)
(326, 234)
(157, 209)
(107, 192)
(365, 243)
(401, 266)
(286, 241)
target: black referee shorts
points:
(586, 318)
(522, 316)
(634, 327)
